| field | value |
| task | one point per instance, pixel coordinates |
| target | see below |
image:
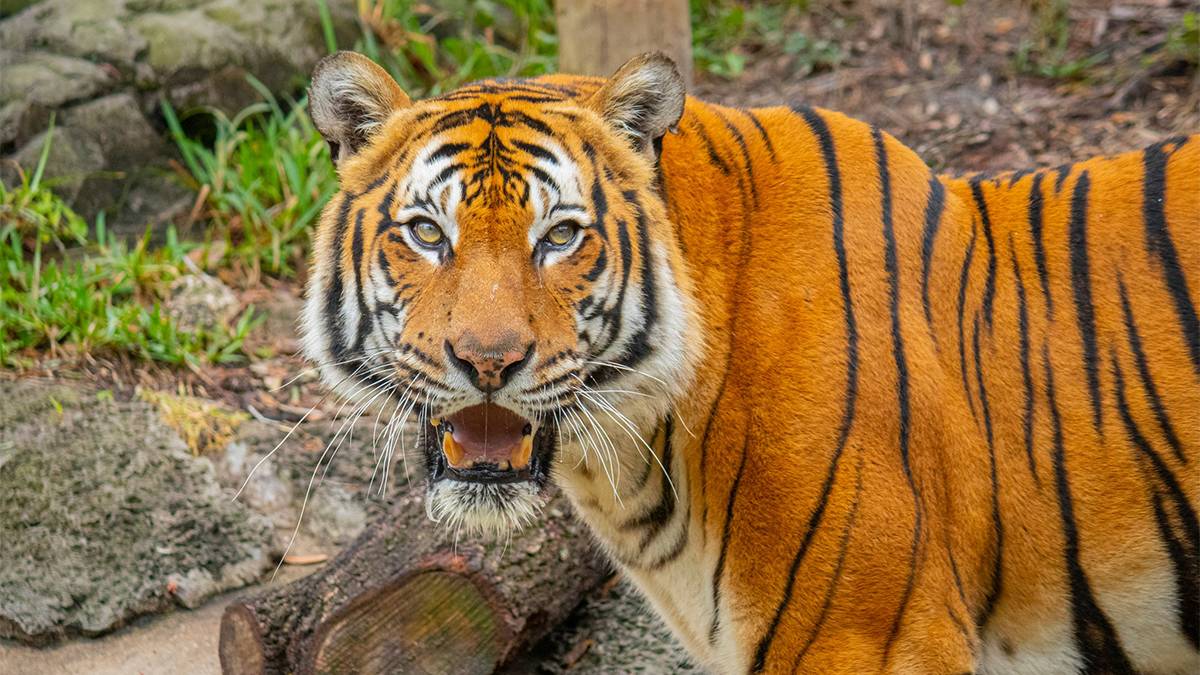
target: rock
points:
(73, 157)
(200, 301)
(104, 66)
(104, 516)
(50, 79)
(614, 631)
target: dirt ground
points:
(945, 79)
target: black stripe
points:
(677, 548)
(612, 316)
(997, 581)
(599, 266)
(741, 141)
(1081, 283)
(989, 289)
(1027, 415)
(1063, 171)
(447, 150)
(817, 125)
(644, 477)
(1143, 368)
(639, 347)
(762, 133)
(1182, 541)
(892, 266)
(336, 289)
(1016, 176)
(1160, 245)
(935, 203)
(963, 278)
(1036, 229)
(599, 202)
(656, 517)
(1094, 635)
(704, 442)
(445, 174)
(537, 151)
(708, 145)
(843, 547)
(720, 571)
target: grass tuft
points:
(65, 292)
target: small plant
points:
(724, 31)
(1047, 52)
(1183, 40)
(262, 182)
(66, 293)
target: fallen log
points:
(405, 598)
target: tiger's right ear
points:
(349, 100)
(642, 101)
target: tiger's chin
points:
(489, 469)
(484, 508)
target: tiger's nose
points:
(488, 367)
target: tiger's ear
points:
(349, 100)
(642, 100)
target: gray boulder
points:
(105, 516)
(102, 68)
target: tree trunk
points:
(403, 598)
(596, 36)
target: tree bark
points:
(596, 36)
(403, 598)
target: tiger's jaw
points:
(488, 468)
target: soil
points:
(945, 79)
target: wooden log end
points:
(241, 647)
(427, 622)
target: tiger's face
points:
(498, 267)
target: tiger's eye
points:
(561, 234)
(427, 233)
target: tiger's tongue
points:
(487, 432)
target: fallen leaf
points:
(310, 559)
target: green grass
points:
(1183, 40)
(725, 31)
(264, 178)
(1047, 52)
(65, 292)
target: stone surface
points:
(614, 631)
(102, 68)
(200, 301)
(105, 516)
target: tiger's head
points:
(498, 266)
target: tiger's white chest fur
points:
(636, 498)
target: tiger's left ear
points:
(349, 100)
(642, 100)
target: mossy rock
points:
(105, 516)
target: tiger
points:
(828, 410)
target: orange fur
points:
(888, 449)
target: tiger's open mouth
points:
(488, 443)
